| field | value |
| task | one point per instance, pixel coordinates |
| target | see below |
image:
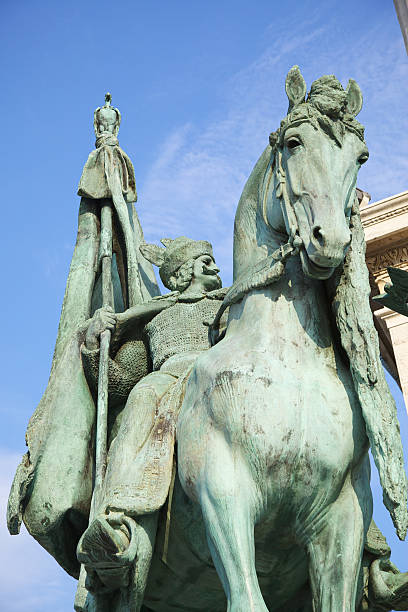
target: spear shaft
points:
(105, 257)
(101, 443)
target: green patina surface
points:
(273, 390)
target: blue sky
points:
(200, 85)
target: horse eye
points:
(363, 158)
(292, 143)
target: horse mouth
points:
(313, 269)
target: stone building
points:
(386, 230)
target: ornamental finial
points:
(106, 118)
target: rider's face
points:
(205, 272)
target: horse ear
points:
(152, 253)
(354, 98)
(295, 87)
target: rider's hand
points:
(104, 318)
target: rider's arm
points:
(130, 362)
(137, 316)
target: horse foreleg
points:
(335, 552)
(228, 501)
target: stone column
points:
(397, 325)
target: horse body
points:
(271, 444)
(278, 438)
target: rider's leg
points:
(335, 551)
(228, 499)
(138, 419)
(121, 532)
(127, 481)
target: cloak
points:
(52, 488)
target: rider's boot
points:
(107, 549)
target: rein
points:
(269, 269)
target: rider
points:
(140, 458)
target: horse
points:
(271, 502)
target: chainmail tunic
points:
(180, 329)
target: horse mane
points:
(348, 292)
(249, 247)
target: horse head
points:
(309, 186)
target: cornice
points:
(385, 209)
(397, 257)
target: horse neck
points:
(249, 246)
(295, 308)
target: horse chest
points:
(293, 420)
(297, 422)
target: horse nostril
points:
(318, 234)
